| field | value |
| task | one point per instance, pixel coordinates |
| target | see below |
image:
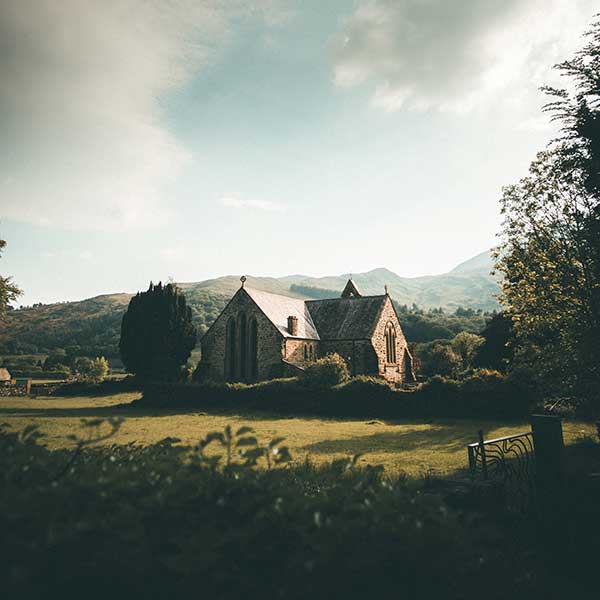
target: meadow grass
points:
(412, 446)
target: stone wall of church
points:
(358, 354)
(269, 343)
(294, 351)
(391, 371)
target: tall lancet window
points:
(230, 350)
(243, 353)
(253, 349)
(390, 343)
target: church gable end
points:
(393, 357)
(242, 344)
(351, 290)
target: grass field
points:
(411, 446)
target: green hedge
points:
(35, 374)
(486, 394)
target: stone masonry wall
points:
(294, 351)
(270, 342)
(391, 371)
(358, 354)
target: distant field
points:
(411, 446)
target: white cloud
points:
(83, 140)
(239, 203)
(456, 55)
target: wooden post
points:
(549, 445)
(482, 452)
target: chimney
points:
(293, 325)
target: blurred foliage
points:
(167, 520)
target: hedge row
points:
(482, 395)
(35, 374)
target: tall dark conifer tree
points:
(157, 333)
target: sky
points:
(146, 139)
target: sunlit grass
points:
(412, 446)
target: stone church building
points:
(261, 336)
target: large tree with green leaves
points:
(9, 292)
(157, 334)
(550, 250)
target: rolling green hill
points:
(92, 326)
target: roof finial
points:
(243, 280)
(386, 289)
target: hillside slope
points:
(92, 326)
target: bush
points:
(483, 393)
(92, 370)
(326, 373)
(365, 387)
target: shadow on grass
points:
(441, 438)
(130, 409)
(133, 409)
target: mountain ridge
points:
(94, 323)
(370, 282)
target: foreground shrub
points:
(167, 521)
(164, 521)
(326, 372)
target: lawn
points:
(411, 446)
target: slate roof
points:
(346, 318)
(278, 308)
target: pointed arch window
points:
(253, 349)
(390, 343)
(230, 350)
(305, 351)
(243, 354)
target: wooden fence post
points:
(549, 445)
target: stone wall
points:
(294, 351)
(269, 342)
(358, 354)
(391, 371)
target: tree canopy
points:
(550, 250)
(157, 333)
